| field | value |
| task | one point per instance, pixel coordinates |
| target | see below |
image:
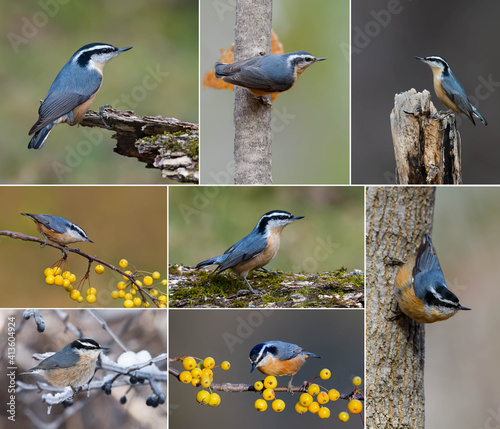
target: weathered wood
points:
(164, 143)
(252, 118)
(427, 149)
(396, 219)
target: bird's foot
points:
(101, 112)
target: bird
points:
(73, 365)
(73, 90)
(256, 249)
(279, 359)
(448, 89)
(267, 74)
(421, 290)
(57, 229)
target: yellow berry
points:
(50, 280)
(133, 292)
(48, 272)
(207, 373)
(74, 294)
(148, 280)
(80, 299)
(206, 382)
(91, 291)
(99, 269)
(322, 398)
(300, 409)
(162, 305)
(357, 381)
(258, 385)
(209, 362)
(123, 263)
(154, 292)
(66, 274)
(164, 282)
(121, 286)
(343, 416)
(125, 277)
(72, 278)
(128, 303)
(129, 296)
(146, 305)
(156, 275)
(305, 399)
(91, 298)
(260, 405)
(163, 298)
(189, 363)
(325, 374)
(268, 394)
(314, 407)
(195, 382)
(68, 288)
(58, 280)
(270, 382)
(138, 285)
(324, 413)
(137, 301)
(185, 377)
(354, 406)
(202, 397)
(278, 405)
(114, 294)
(196, 373)
(121, 293)
(57, 270)
(333, 394)
(313, 389)
(213, 400)
(225, 365)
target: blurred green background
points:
(123, 222)
(164, 36)
(336, 335)
(204, 221)
(461, 373)
(311, 137)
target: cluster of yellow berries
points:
(307, 403)
(201, 374)
(66, 279)
(130, 298)
(267, 387)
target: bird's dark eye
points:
(308, 59)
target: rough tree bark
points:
(396, 219)
(427, 150)
(167, 144)
(252, 118)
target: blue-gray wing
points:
(457, 94)
(251, 74)
(57, 359)
(287, 350)
(243, 250)
(51, 222)
(66, 93)
(427, 270)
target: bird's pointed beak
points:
(319, 59)
(298, 217)
(124, 49)
(253, 367)
(463, 308)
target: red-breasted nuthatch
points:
(73, 365)
(255, 250)
(266, 74)
(448, 89)
(421, 291)
(279, 359)
(73, 90)
(57, 229)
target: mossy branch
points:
(132, 277)
(163, 143)
(196, 288)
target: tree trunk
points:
(396, 219)
(427, 150)
(252, 118)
